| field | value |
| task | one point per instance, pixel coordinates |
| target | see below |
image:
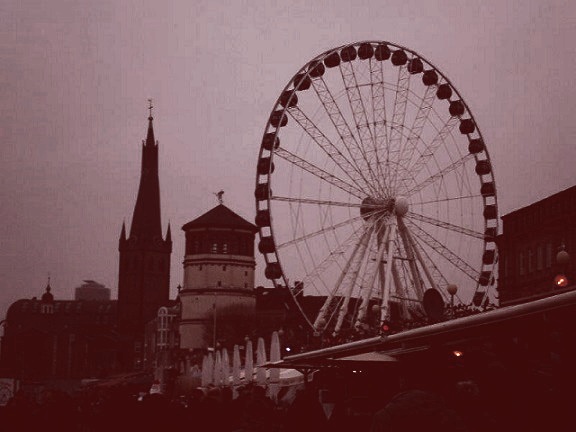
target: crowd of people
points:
(115, 409)
(527, 386)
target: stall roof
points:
(382, 349)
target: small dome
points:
(47, 297)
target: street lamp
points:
(452, 290)
(562, 259)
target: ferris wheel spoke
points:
(378, 100)
(444, 251)
(352, 189)
(410, 145)
(350, 242)
(375, 271)
(411, 258)
(332, 151)
(345, 133)
(350, 281)
(440, 174)
(359, 114)
(432, 272)
(314, 201)
(319, 232)
(387, 272)
(430, 149)
(349, 272)
(439, 200)
(403, 282)
(397, 123)
(446, 225)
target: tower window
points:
(245, 273)
(223, 268)
(219, 283)
(200, 268)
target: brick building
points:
(529, 246)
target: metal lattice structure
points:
(373, 185)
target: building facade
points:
(529, 247)
(219, 269)
(47, 339)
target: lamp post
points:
(562, 259)
(452, 290)
(214, 324)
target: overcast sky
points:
(75, 77)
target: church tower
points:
(144, 268)
(218, 273)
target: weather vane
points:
(219, 196)
(150, 106)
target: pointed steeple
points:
(146, 223)
(123, 232)
(150, 136)
(144, 262)
(169, 234)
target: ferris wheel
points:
(374, 187)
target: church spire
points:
(150, 136)
(146, 219)
(169, 234)
(123, 232)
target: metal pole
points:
(214, 322)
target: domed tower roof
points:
(220, 217)
(47, 297)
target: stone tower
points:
(144, 268)
(218, 272)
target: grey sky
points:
(75, 76)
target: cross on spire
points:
(150, 108)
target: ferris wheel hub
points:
(401, 206)
(376, 207)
